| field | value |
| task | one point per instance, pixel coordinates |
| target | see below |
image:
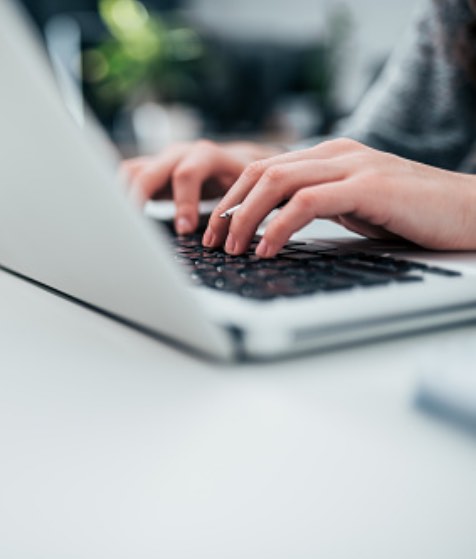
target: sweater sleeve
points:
(423, 107)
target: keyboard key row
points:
(299, 269)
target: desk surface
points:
(114, 445)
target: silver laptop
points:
(66, 223)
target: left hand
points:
(370, 192)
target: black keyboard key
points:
(298, 255)
(408, 278)
(443, 272)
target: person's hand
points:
(369, 192)
(189, 171)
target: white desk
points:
(116, 446)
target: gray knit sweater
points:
(423, 106)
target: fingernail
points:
(208, 237)
(263, 250)
(183, 226)
(230, 245)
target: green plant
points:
(141, 51)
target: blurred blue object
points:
(447, 386)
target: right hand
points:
(190, 171)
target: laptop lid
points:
(65, 222)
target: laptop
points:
(67, 224)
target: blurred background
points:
(159, 71)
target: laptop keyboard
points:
(300, 268)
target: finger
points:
(204, 162)
(218, 228)
(253, 173)
(153, 177)
(278, 183)
(325, 201)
